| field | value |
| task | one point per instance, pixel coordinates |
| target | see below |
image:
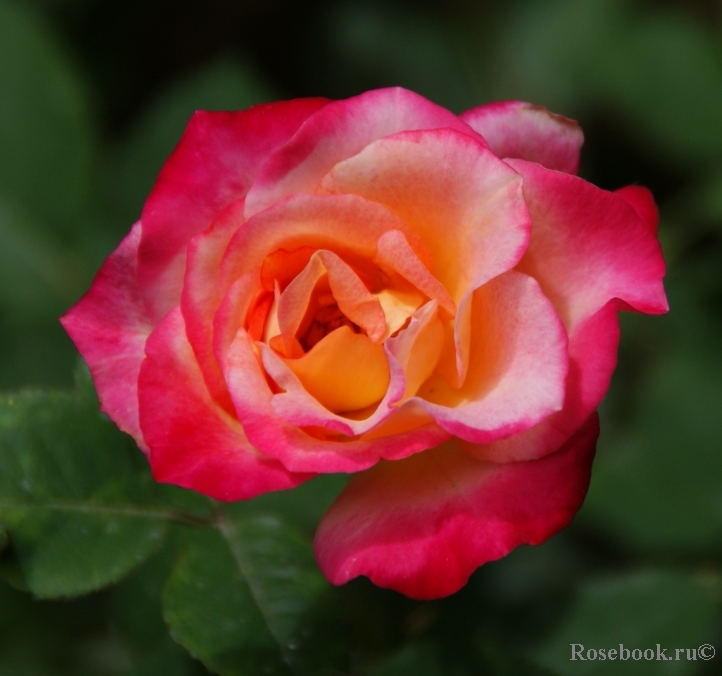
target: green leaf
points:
(75, 494)
(45, 144)
(638, 610)
(249, 599)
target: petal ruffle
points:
(422, 525)
(109, 326)
(213, 165)
(339, 131)
(193, 442)
(528, 132)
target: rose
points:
(376, 286)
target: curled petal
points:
(528, 132)
(407, 363)
(422, 525)
(517, 364)
(314, 221)
(201, 295)
(592, 359)
(575, 221)
(193, 442)
(394, 251)
(109, 326)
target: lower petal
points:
(109, 326)
(421, 526)
(193, 442)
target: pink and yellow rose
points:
(380, 287)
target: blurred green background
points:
(93, 97)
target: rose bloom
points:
(380, 287)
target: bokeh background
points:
(93, 97)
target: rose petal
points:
(240, 302)
(299, 406)
(592, 359)
(398, 305)
(418, 348)
(200, 296)
(642, 201)
(193, 442)
(528, 132)
(298, 449)
(575, 222)
(421, 526)
(394, 252)
(315, 221)
(344, 371)
(340, 131)
(109, 326)
(464, 203)
(296, 405)
(213, 165)
(517, 364)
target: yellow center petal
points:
(344, 371)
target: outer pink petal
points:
(642, 201)
(193, 442)
(337, 132)
(528, 132)
(421, 526)
(214, 164)
(517, 366)
(592, 255)
(109, 327)
(298, 449)
(588, 246)
(201, 296)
